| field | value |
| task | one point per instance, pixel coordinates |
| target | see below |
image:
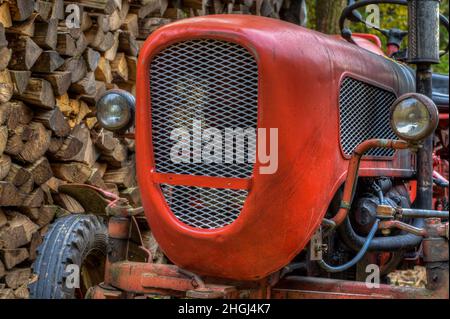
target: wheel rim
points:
(92, 272)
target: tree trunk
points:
(327, 15)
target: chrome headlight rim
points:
(432, 112)
(130, 105)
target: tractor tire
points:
(74, 240)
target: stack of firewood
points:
(55, 63)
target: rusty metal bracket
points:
(316, 246)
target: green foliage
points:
(391, 16)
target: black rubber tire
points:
(68, 241)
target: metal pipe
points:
(422, 213)
(389, 224)
(352, 172)
(424, 196)
(355, 259)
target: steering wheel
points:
(350, 13)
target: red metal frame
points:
(294, 201)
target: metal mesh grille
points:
(364, 114)
(203, 207)
(205, 81)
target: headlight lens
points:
(413, 117)
(115, 110)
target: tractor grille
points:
(200, 85)
(203, 207)
(364, 114)
(207, 83)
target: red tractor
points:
(273, 162)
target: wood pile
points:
(53, 69)
(416, 277)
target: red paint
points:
(391, 49)
(298, 86)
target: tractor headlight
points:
(413, 117)
(115, 110)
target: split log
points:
(36, 240)
(96, 179)
(128, 44)
(25, 28)
(60, 81)
(92, 58)
(22, 292)
(103, 71)
(63, 103)
(46, 214)
(70, 147)
(3, 138)
(20, 80)
(30, 212)
(105, 140)
(76, 66)
(34, 199)
(44, 9)
(39, 92)
(65, 44)
(19, 231)
(17, 277)
(115, 20)
(53, 184)
(88, 154)
(10, 195)
(19, 114)
(6, 86)
(20, 10)
(119, 68)
(151, 7)
(5, 57)
(131, 25)
(92, 99)
(17, 175)
(71, 172)
(53, 120)
(86, 85)
(12, 257)
(5, 110)
(48, 61)
(37, 146)
(103, 6)
(58, 10)
(69, 203)
(16, 139)
(5, 15)
(131, 65)
(2, 271)
(117, 157)
(80, 110)
(5, 165)
(148, 25)
(110, 54)
(122, 177)
(26, 52)
(40, 171)
(27, 187)
(45, 34)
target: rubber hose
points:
(358, 256)
(393, 243)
